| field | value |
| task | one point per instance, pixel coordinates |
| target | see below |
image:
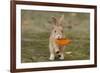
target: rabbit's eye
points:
(55, 31)
(62, 31)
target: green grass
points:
(36, 27)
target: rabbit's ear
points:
(61, 19)
(54, 20)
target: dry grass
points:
(36, 27)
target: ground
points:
(36, 27)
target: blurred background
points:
(36, 27)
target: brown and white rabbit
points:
(56, 33)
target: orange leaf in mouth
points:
(63, 41)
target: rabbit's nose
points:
(59, 37)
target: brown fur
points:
(56, 33)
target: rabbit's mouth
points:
(58, 36)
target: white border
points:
(51, 64)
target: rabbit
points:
(56, 33)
